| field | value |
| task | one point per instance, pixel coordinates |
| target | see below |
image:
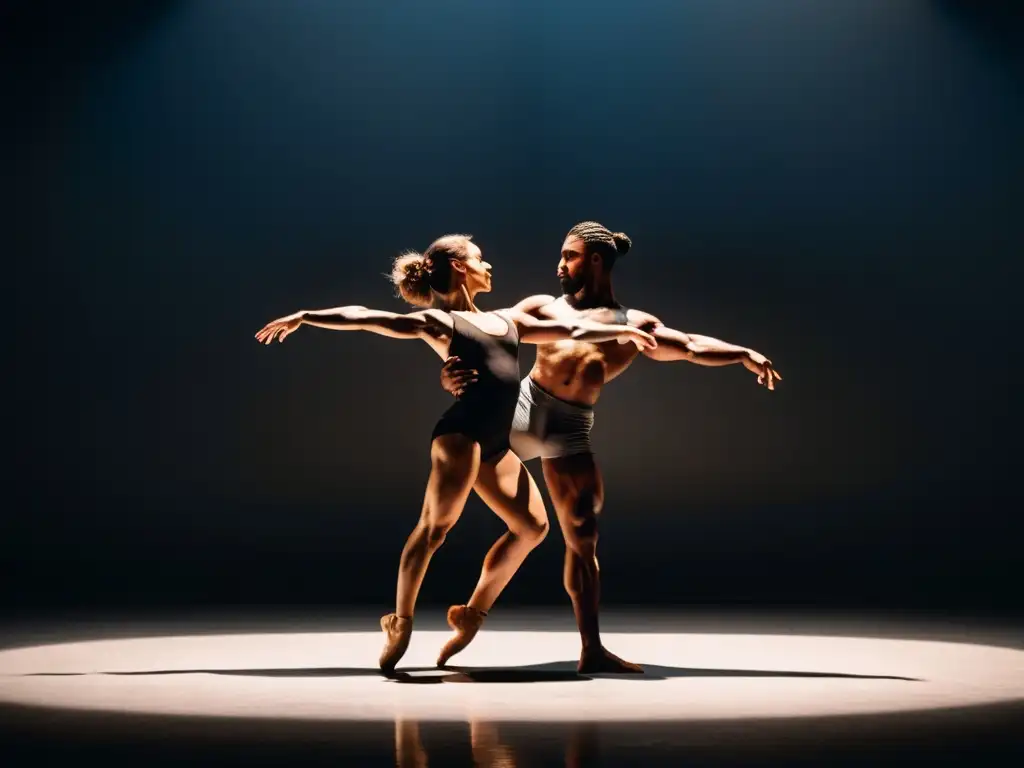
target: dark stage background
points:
(838, 185)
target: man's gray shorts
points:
(546, 427)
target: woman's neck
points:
(458, 301)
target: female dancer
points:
(470, 444)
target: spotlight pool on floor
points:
(509, 675)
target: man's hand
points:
(757, 363)
(454, 378)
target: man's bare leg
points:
(510, 491)
(577, 492)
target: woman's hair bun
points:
(412, 278)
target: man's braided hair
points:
(597, 237)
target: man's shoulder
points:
(532, 305)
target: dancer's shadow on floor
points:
(284, 672)
(550, 672)
(566, 671)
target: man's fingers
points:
(451, 367)
(768, 376)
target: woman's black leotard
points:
(484, 413)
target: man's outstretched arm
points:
(704, 350)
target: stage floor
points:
(746, 688)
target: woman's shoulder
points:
(439, 321)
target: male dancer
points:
(555, 414)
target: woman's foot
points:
(397, 633)
(466, 622)
(602, 662)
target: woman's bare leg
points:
(510, 491)
(455, 460)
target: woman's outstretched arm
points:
(415, 325)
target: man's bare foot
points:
(397, 633)
(466, 622)
(602, 662)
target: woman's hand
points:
(280, 329)
(642, 339)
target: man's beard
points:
(571, 285)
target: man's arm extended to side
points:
(676, 345)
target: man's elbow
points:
(670, 352)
